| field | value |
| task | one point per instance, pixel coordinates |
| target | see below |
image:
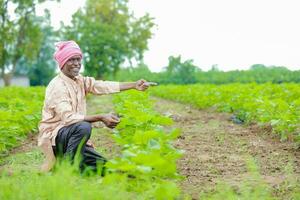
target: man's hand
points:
(141, 85)
(110, 120)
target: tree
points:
(20, 35)
(258, 67)
(108, 34)
(181, 72)
(42, 69)
(214, 68)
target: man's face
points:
(72, 67)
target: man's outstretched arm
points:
(99, 87)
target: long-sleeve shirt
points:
(65, 103)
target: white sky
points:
(234, 34)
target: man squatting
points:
(64, 123)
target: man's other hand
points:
(110, 120)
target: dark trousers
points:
(70, 138)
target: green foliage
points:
(191, 74)
(257, 73)
(19, 114)
(66, 183)
(20, 35)
(268, 104)
(147, 151)
(146, 168)
(108, 34)
(42, 69)
(179, 72)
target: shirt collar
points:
(68, 79)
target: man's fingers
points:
(148, 84)
(113, 122)
(141, 82)
(144, 86)
(115, 118)
(112, 125)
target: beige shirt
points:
(65, 103)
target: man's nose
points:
(76, 63)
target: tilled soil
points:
(216, 150)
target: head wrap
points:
(65, 50)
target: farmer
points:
(64, 123)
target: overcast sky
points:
(234, 34)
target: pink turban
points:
(65, 50)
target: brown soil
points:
(216, 150)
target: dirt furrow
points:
(216, 150)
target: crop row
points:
(276, 105)
(20, 112)
(147, 153)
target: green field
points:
(145, 156)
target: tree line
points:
(185, 72)
(109, 35)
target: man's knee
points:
(84, 128)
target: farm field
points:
(20, 111)
(144, 168)
(218, 158)
(204, 100)
(276, 106)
